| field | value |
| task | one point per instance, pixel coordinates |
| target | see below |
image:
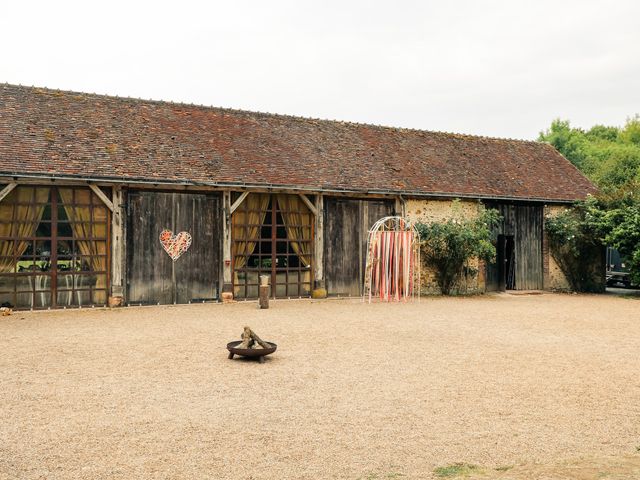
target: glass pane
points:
(85, 281)
(99, 214)
(83, 264)
(82, 196)
(62, 212)
(26, 265)
(6, 248)
(7, 265)
(65, 281)
(43, 248)
(100, 297)
(252, 277)
(43, 229)
(100, 247)
(24, 300)
(65, 249)
(25, 248)
(41, 282)
(100, 230)
(66, 299)
(42, 300)
(65, 230)
(92, 264)
(24, 283)
(42, 194)
(65, 265)
(6, 297)
(81, 229)
(98, 281)
(46, 212)
(252, 291)
(83, 297)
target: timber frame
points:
(232, 197)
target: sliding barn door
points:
(152, 276)
(519, 263)
(346, 226)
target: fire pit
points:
(260, 353)
(251, 346)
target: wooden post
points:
(319, 289)
(227, 282)
(263, 300)
(118, 245)
(400, 206)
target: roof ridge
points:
(276, 115)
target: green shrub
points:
(448, 246)
(575, 243)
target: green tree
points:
(576, 242)
(610, 157)
(448, 246)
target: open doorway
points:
(506, 259)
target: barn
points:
(129, 201)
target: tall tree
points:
(610, 157)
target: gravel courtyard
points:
(535, 385)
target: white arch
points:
(393, 260)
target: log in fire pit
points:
(251, 346)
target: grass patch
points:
(503, 468)
(382, 476)
(456, 470)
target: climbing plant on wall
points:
(449, 245)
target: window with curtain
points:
(272, 235)
(53, 247)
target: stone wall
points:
(554, 279)
(427, 211)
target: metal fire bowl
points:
(250, 352)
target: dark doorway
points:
(519, 248)
(506, 259)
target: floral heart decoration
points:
(175, 245)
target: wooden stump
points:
(264, 296)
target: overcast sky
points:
(497, 68)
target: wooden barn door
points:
(519, 263)
(152, 276)
(346, 225)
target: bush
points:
(448, 246)
(576, 244)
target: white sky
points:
(498, 68)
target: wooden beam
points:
(311, 206)
(98, 191)
(319, 243)
(238, 202)
(7, 190)
(118, 243)
(227, 281)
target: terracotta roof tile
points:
(48, 132)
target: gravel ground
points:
(355, 391)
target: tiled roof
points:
(58, 133)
